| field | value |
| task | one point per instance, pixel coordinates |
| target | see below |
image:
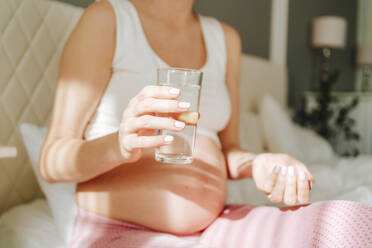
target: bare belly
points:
(170, 198)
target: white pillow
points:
(315, 149)
(60, 196)
(283, 136)
(250, 133)
(29, 225)
(278, 131)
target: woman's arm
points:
(85, 70)
(238, 162)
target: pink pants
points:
(330, 224)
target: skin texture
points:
(117, 175)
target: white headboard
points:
(259, 77)
(32, 34)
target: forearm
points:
(239, 162)
(76, 160)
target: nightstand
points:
(362, 114)
(8, 152)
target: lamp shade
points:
(364, 54)
(329, 32)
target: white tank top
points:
(134, 67)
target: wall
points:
(364, 32)
(303, 62)
(250, 17)
(365, 21)
(244, 15)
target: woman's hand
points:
(138, 124)
(282, 178)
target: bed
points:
(32, 34)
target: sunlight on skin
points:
(171, 198)
(167, 206)
(65, 159)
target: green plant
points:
(330, 119)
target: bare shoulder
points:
(233, 40)
(93, 37)
(101, 15)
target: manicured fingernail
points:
(291, 171)
(311, 184)
(284, 170)
(174, 91)
(168, 139)
(179, 124)
(302, 176)
(277, 169)
(184, 105)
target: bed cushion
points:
(278, 131)
(29, 226)
(259, 77)
(60, 196)
(250, 133)
(282, 135)
(315, 149)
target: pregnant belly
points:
(179, 199)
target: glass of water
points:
(189, 82)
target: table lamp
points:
(328, 32)
(364, 60)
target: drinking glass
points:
(189, 82)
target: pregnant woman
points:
(102, 136)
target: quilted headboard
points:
(32, 34)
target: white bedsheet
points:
(340, 179)
(29, 226)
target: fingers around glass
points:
(153, 105)
(155, 91)
(153, 122)
(148, 141)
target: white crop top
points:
(134, 66)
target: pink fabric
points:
(324, 224)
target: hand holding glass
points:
(180, 151)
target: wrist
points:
(246, 166)
(240, 163)
(117, 153)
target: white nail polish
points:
(277, 169)
(302, 176)
(179, 124)
(311, 184)
(291, 171)
(168, 139)
(184, 104)
(284, 171)
(174, 91)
